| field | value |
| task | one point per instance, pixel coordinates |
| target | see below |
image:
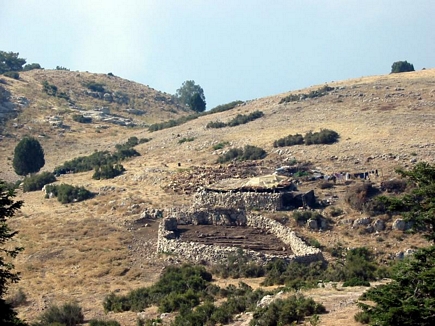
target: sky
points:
(233, 49)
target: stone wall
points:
(196, 252)
(242, 200)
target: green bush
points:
(289, 140)
(66, 193)
(69, 314)
(186, 140)
(362, 317)
(178, 287)
(225, 107)
(95, 87)
(322, 91)
(238, 120)
(32, 66)
(37, 181)
(49, 88)
(249, 152)
(220, 145)
(325, 136)
(107, 171)
(97, 322)
(81, 118)
(401, 66)
(12, 74)
(287, 311)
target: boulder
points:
(170, 224)
(378, 225)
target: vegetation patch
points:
(238, 120)
(37, 181)
(176, 122)
(325, 136)
(66, 193)
(100, 160)
(186, 140)
(313, 94)
(249, 152)
(81, 118)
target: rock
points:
(312, 224)
(399, 224)
(361, 221)
(378, 225)
(170, 224)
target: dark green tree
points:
(9, 61)
(401, 66)
(197, 103)
(32, 66)
(186, 93)
(410, 298)
(28, 156)
(7, 210)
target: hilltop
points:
(85, 250)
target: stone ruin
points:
(168, 242)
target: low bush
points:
(186, 140)
(49, 89)
(238, 120)
(395, 186)
(81, 118)
(322, 91)
(69, 314)
(302, 217)
(37, 181)
(289, 311)
(97, 160)
(325, 136)
(12, 74)
(66, 193)
(97, 322)
(289, 140)
(247, 153)
(224, 107)
(360, 196)
(177, 288)
(108, 171)
(95, 87)
(238, 265)
(220, 145)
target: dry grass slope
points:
(83, 251)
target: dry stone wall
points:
(196, 252)
(248, 200)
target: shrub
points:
(66, 193)
(289, 140)
(248, 153)
(313, 94)
(61, 68)
(325, 136)
(360, 195)
(216, 124)
(32, 66)
(81, 118)
(49, 88)
(304, 216)
(108, 171)
(12, 74)
(225, 107)
(69, 314)
(242, 118)
(220, 145)
(287, 311)
(95, 87)
(97, 322)
(356, 282)
(37, 181)
(396, 186)
(184, 140)
(401, 66)
(362, 317)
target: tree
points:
(197, 103)
(7, 209)
(410, 298)
(32, 66)
(9, 61)
(188, 93)
(28, 156)
(401, 66)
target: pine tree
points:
(28, 156)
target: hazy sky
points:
(234, 49)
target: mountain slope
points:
(85, 250)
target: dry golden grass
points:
(83, 251)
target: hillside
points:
(85, 250)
